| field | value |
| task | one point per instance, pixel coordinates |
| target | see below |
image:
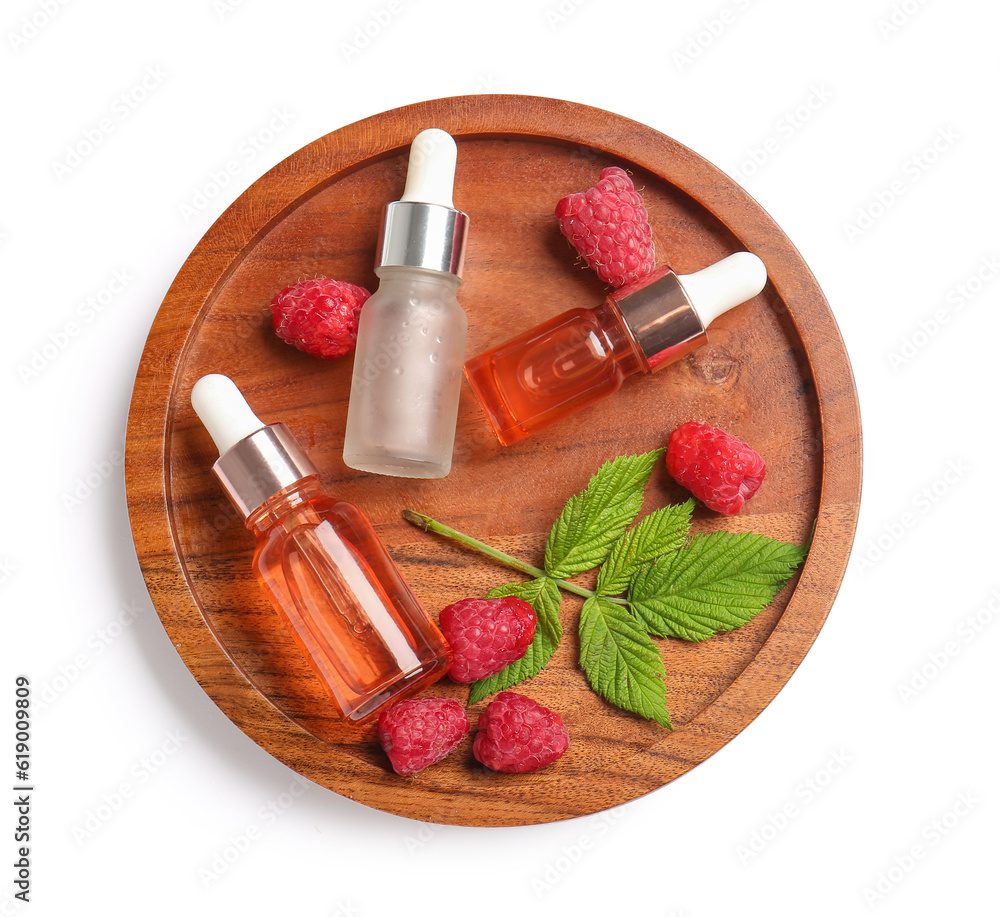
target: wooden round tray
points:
(775, 374)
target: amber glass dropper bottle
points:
(582, 356)
(321, 564)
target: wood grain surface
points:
(775, 374)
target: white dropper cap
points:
(720, 286)
(423, 229)
(667, 313)
(430, 172)
(223, 410)
(256, 460)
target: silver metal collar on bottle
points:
(260, 465)
(661, 318)
(429, 236)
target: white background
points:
(866, 128)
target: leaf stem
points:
(439, 528)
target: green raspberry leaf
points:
(622, 662)
(592, 520)
(661, 532)
(716, 583)
(543, 595)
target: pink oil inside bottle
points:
(559, 367)
(344, 602)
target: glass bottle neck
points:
(623, 344)
(659, 318)
(288, 503)
(399, 274)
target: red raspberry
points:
(486, 635)
(518, 735)
(319, 316)
(609, 226)
(719, 469)
(420, 731)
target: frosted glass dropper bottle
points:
(411, 335)
(321, 564)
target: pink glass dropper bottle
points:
(321, 564)
(582, 356)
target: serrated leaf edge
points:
(561, 545)
(690, 620)
(646, 696)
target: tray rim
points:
(248, 219)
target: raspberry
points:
(609, 226)
(486, 635)
(420, 731)
(719, 469)
(319, 316)
(518, 735)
